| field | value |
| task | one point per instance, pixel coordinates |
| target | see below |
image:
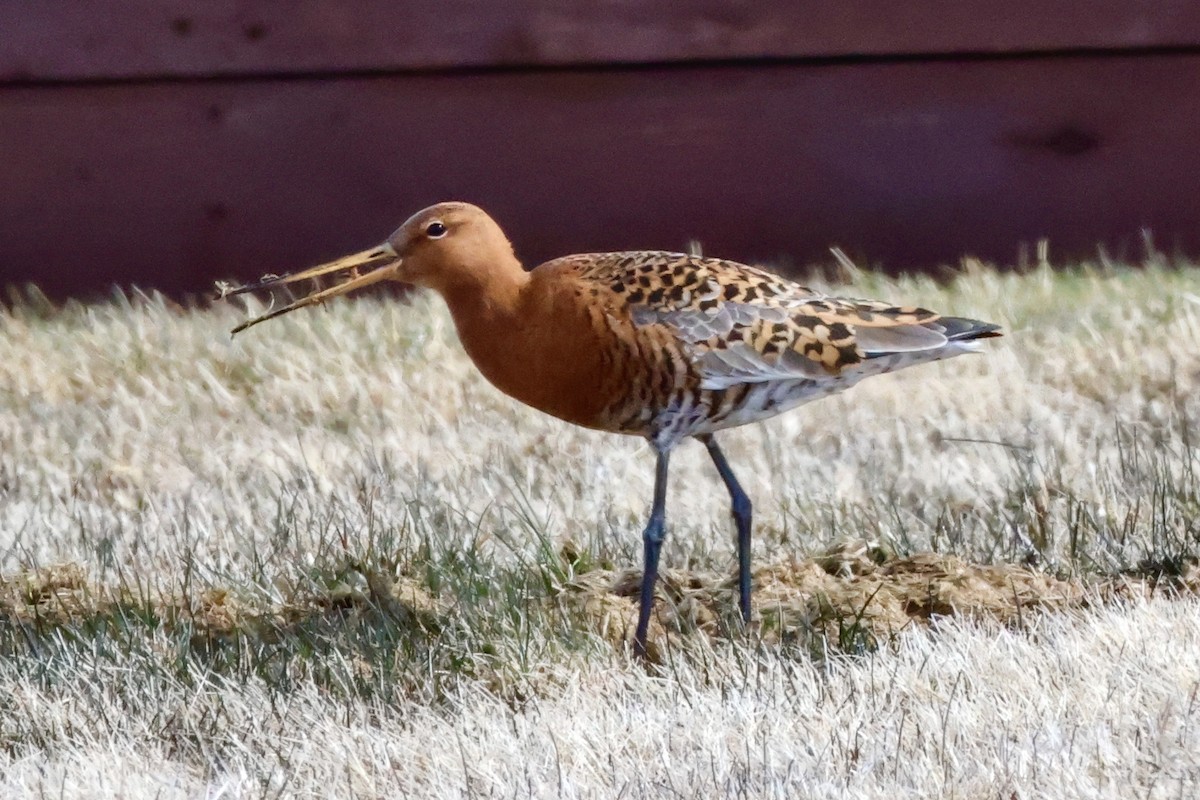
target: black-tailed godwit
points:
(655, 344)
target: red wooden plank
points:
(67, 39)
(909, 165)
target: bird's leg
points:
(741, 517)
(652, 539)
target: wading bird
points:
(654, 344)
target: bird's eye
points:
(435, 230)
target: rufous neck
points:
(486, 291)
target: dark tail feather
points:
(961, 329)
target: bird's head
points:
(441, 247)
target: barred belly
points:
(711, 410)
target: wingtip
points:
(961, 329)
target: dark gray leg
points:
(652, 538)
(741, 518)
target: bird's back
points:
(699, 344)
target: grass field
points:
(327, 559)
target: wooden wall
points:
(169, 143)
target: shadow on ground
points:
(850, 598)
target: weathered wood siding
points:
(168, 143)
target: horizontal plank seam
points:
(617, 66)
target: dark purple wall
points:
(165, 146)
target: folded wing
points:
(744, 325)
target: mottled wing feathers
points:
(740, 324)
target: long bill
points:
(380, 263)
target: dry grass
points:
(327, 559)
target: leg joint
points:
(656, 529)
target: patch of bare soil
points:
(855, 594)
(62, 595)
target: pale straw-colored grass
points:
(1102, 704)
(327, 559)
